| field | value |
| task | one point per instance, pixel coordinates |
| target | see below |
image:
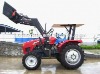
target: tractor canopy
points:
(67, 25)
(70, 28)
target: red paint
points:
(52, 40)
(31, 44)
(13, 14)
(60, 46)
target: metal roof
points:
(6, 28)
(62, 25)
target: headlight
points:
(23, 44)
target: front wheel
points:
(31, 61)
(72, 57)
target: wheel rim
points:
(31, 61)
(72, 56)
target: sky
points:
(51, 12)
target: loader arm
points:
(12, 14)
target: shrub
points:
(90, 46)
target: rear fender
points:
(68, 42)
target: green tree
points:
(31, 31)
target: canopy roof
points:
(6, 28)
(62, 25)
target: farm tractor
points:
(67, 52)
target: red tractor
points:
(67, 52)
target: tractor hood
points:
(32, 42)
(30, 45)
(37, 42)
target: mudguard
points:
(63, 44)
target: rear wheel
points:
(58, 57)
(31, 61)
(72, 57)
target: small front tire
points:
(31, 61)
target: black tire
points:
(58, 57)
(31, 55)
(68, 63)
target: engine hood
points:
(32, 42)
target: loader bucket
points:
(8, 10)
(11, 13)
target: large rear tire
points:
(31, 61)
(72, 57)
(58, 57)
